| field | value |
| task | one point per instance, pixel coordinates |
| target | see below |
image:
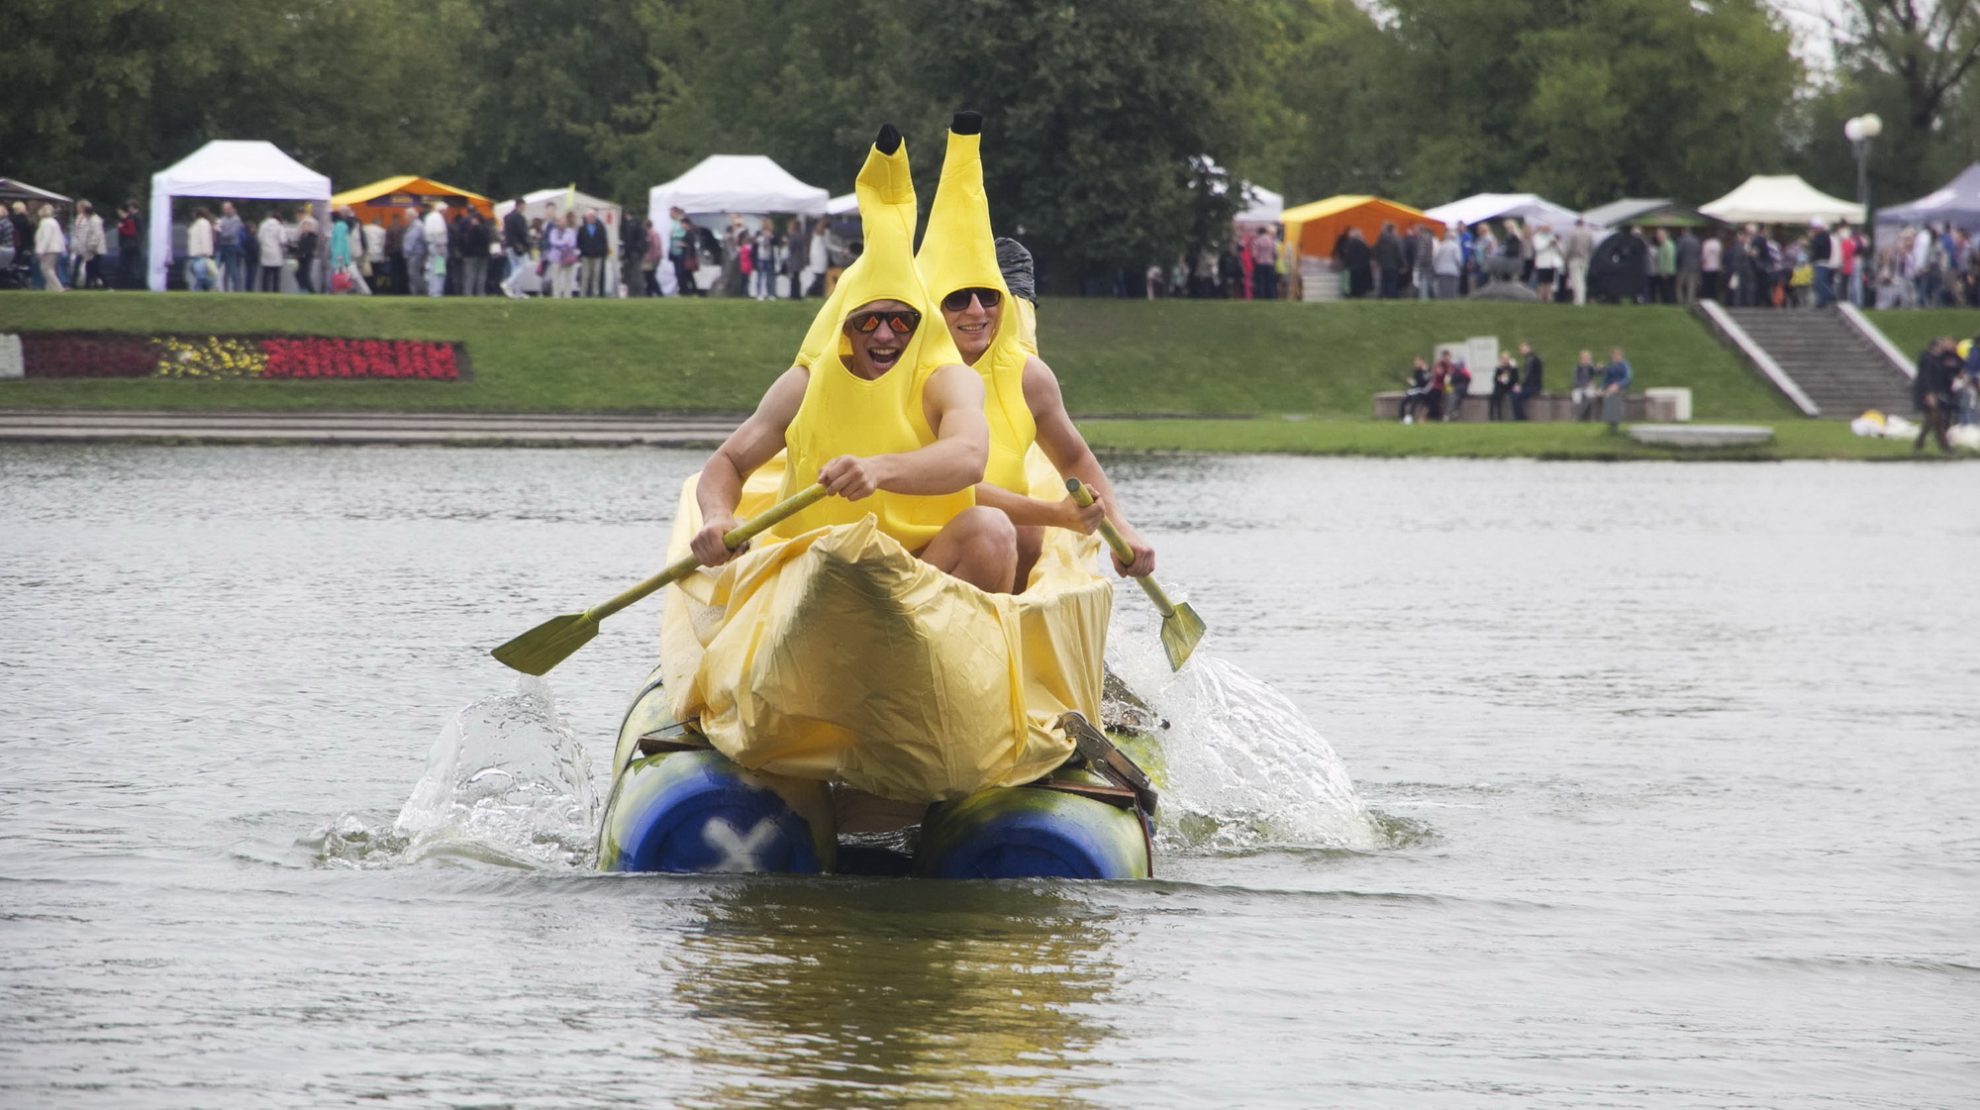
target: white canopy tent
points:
(1531, 208)
(1780, 199)
(546, 203)
(1262, 205)
(845, 204)
(744, 183)
(235, 170)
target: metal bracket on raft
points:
(1108, 761)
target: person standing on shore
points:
(1616, 377)
(1505, 379)
(1265, 264)
(199, 253)
(1711, 264)
(594, 246)
(229, 245)
(49, 247)
(412, 247)
(309, 236)
(1821, 256)
(515, 244)
(1931, 393)
(273, 241)
(1689, 265)
(435, 229)
(561, 252)
(1531, 380)
(1583, 394)
(86, 245)
(1580, 249)
(1447, 263)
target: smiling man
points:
(880, 410)
(1023, 404)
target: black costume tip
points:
(967, 123)
(888, 140)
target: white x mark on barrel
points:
(739, 851)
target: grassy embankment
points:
(1911, 329)
(1283, 377)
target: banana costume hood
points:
(885, 269)
(959, 251)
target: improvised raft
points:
(830, 704)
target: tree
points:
(1586, 100)
(1094, 113)
(109, 92)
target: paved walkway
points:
(495, 429)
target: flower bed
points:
(71, 355)
(82, 355)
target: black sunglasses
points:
(959, 300)
(900, 321)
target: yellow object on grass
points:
(959, 251)
(838, 656)
(845, 414)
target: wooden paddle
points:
(1181, 627)
(553, 641)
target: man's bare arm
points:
(1067, 449)
(754, 442)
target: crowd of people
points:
(1436, 390)
(442, 249)
(436, 249)
(1752, 266)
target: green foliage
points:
(1097, 109)
(106, 92)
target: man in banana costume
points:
(879, 409)
(1023, 404)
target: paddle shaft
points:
(1118, 542)
(732, 539)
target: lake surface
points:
(1665, 791)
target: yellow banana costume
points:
(844, 414)
(831, 653)
(958, 251)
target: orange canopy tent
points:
(1311, 229)
(380, 200)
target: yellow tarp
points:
(837, 656)
(394, 192)
(1312, 228)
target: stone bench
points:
(1545, 408)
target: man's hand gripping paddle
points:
(1181, 627)
(553, 641)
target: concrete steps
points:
(1842, 372)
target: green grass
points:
(1793, 439)
(1911, 329)
(1180, 358)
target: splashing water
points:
(1245, 770)
(506, 782)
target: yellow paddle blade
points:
(1181, 627)
(1180, 632)
(548, 644)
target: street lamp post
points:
(1860, 131)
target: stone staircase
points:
(1838, 369)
